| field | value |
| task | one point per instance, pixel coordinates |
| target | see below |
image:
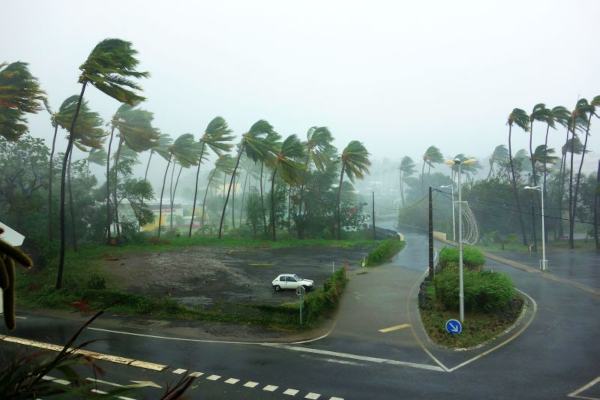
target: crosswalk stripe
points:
(291, 392)
(312, 396)
(270, 388)
(196, 374)
(251, 384)
(179, 371)
(232, 381)
(214, 377)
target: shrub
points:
(485, 291)
(321, 300)
(96, 282)
(384, 252)
(472, 258)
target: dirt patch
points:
(207, 276)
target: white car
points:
(291, 281)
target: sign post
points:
(300, 292)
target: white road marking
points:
(394, 328)
(312, 396)
(196, 374)
(357, 357)
(103, 382)
(179, 371)
(214, 378)
(336, 398)
(251, 384)
(48, 378)
(584, 388)
(98, 391)
(61, 381)
(331, 360)
(232, 381)
(270, 388)
(291, 392)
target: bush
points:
(96, 282)
(385, 251)
(485, 291)
(322, 300)
(472, 258)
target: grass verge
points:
(384, 252)
(478, 328)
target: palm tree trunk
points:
(531, 153)
(339, 194)
(171, 195)
(63, 172)
(571, 203)
(422, 176)
(115, 200)
(196, 189)
(229, 190)
(162, 192)
(108, 218)
(71, 208)
(204, 201)
(545, 174)
(233, 205)
(175, 191)
(596, 207)
(262, 203)
(491, 169)
(402, 188)
(514, 182)
(273, 202)
(587, 131)
(148, 166)
(289, 220)
(50, 176)
(244, 194)
(301, 231)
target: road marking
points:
(356, 357)
(584, 388)
(141, 384)
(291, 392)
(103, 382)
(331, 360)
(214, 378)
(394, 328)
(61, 381)
(312, 396)
(232, 381)
(336, 398)
(196, 374)
(92, 354)
(179, 371)
(251, 384)
(270, 388)
(98, 391)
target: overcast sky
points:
(397, 75)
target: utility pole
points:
(374, 234)
(596, 207)
(430, 233)
(533, 225)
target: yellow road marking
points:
(93, 354)
(394, 328)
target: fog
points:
(397, 76)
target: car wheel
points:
(277, 288)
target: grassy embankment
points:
(84, 289)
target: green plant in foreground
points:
(384, 252)
(472, 258)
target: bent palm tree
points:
(109, 68)
(432, 156)
(539, 113)
(217, 136)
(20, 93)
(521, 119)
(355, 163)
(224, 165)
(499, 156)
(258, 144)
(407, 168)
(289, 167)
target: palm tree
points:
(248, 165)
(407, 168)
(257, 144)
(355, 163)
(217, 136)
(96, 156)
(560, 115)
(539, 113)
(432, 156)
(184, 150)
(318, 149)
(224, 165)
(289, 167)
(20, 93)
(109, 68)
(164, 141)
(499, 156)
(521, 119)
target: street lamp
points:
(461, 293)
(543, 261)
(453, 218)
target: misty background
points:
(397, 76)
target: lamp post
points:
(453, 218)
(461, 293)
(543, 261)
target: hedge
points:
(472, 258)
(384, 252)
(484, 291)
(322, 300)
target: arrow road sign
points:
(453, 326)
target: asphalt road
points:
(557, 354)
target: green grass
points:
(555, 245)
(478, 328)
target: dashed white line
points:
(251, 384)
(214, 377)
(179, 371)
(196, 374)
(336, 398)
(291, 392)
(312, 396)
(232, 381)
(61, 381)
(270, 388)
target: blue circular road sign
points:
(453, 326)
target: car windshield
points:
(297, 278)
